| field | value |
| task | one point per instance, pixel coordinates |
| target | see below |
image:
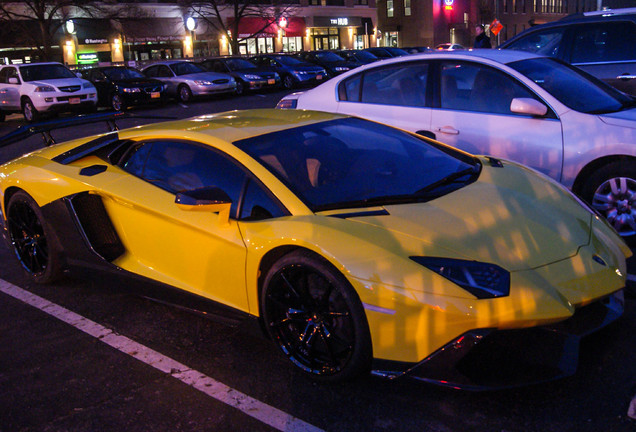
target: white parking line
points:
(215, 389)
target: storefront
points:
(262, 35)
(341, 33)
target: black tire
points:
(184, 94)
(117, 102)
(611, 190)
(29, 112)
(33, 240)
(2, 116)
(316, 318)
(240, 88)
(288, 82)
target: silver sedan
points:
(185, 80)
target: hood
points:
(136, 82)
(518, 222)
(61, 82)
(624, 118)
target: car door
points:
(473, 113)
(10, 88)
(193, 250)
(394, 94)
(102, 84)
(607, 51)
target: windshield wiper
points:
(451, 178)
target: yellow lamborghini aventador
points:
(358, 246)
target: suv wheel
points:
(28, 110)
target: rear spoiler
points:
(45, 128)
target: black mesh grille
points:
(70, 89)
(97, 226)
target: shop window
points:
(407, 7)
(335, 3)
(389, 8)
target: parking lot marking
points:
(209, 386)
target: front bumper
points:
(204, 90)
(63, 102)
(485, 359)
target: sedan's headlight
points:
(88, 86)
(252, 77)
(341, 68)
(483, 280)
(41, 89)
(131, 90)
(202, 82)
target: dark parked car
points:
(358, 56)
(602, 43)
(293, 72)
(386, 52)
(120, 87)
(333, 63)
(248, 75)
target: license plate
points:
(318, 76)
(74, 100)
(271, 81)
(155, 95)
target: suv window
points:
(8, 72)
(604, 42)
(546, 42)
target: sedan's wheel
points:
(185, 94)
(240, 87)
(288, 82)
(612, 192)
(117, 103)
(32, 239)
(28, 110)
(316, 318)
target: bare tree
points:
(225, 15)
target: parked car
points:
(511, 104)
(41, 88)
(357, 247)
(449, 47)
(331, 62)
(602, 43)
(120, 87)
(247, 75)
(417, 49)
(185, 80)
(358, 56)
(293, 72)
(386, 52)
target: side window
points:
(474, 87)
(604, 42)
(546, 42)
(181, 166)
(403, 85)
(349, 89)
(8, 72)
(164, 72)
(258, 204)
(219, 67)
(151, 71)
(13, 73)
(3, 76)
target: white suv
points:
(37, 88)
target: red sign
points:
(495, 27)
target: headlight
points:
(482, 280)
(201, 82)
(287, 104)
(251, 77)
(88, 86)
(40, 89)
(131, 90)
(341, 68)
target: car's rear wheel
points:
(611, 190)
(117, 102)
(184, 92)
(32, 239)
(316, 318)
(29, 111)
(288, 82)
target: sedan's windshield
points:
(239, 64)
(45, 72)
(351, 162)
(288, 61)
(575, 89)
(328, 56)
(122, 73)
(186, 68)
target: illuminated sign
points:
(340, 21)
(86, 58)
(448, 5)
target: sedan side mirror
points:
(206, 199)
(14, 80)
(528, 106)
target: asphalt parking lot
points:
(87, 355)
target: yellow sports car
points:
(359, 247)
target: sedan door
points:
(395, 94)
(473, 113)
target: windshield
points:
(364, 55)
(186, 68)
(122, 73)
(288, 61)
(328, 56)
(351, 162)
(45, 72)
(572, 87)
(238, 64)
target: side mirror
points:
(14, 80)
(78, 74)
(207, 199)
(528, 106)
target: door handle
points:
(626, 76)
(448, 130)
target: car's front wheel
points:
(316, 318)
(29, 111)
(611, 190)
(117, 102)
(184, 93)
(288, 82)
(32, 239)
(240, 88)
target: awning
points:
(94, 31)
(264, 27)
(153, 30)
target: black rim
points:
(28, 238)
(310, 319)
(184, 93)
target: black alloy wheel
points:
(316, 318)
(32, 240)
(117, 102)
(288, 82)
